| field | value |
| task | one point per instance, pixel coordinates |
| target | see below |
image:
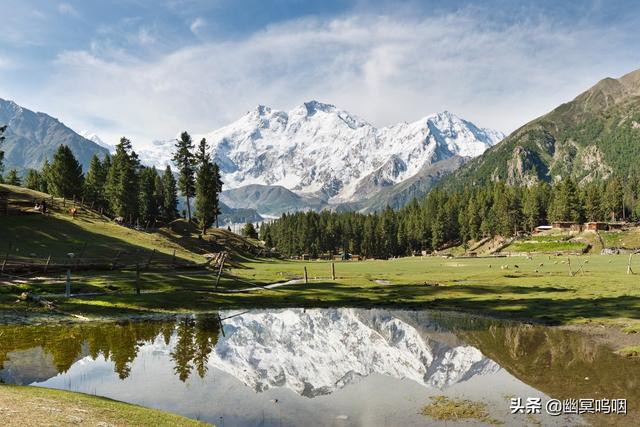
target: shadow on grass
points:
(43, 235)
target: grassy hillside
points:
(596, 134)
(26, 234)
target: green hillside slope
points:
(594, 136)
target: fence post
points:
(224, 255)
(67, 289)
(173, 258)
(46, 266)
(333, 271)
(137, 278)
(6, 257)
(115, 260)
(306, 278)
(150, 258)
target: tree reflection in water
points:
(118, 342)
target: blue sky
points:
(149, 69)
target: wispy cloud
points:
(197, 25)
(67, 9)
(384, 68)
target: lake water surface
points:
(326, 367)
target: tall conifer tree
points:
(122, 181)
(64, 178)
(169, 196)
(206, 187)
(185, 162)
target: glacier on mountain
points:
(318, 149)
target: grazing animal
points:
(541, 264)
(516, 266)
(119, 220)
(73, 212)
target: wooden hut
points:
(596, 226)
(567, 225)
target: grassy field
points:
(34, 406)
(629, 239)
(544, 288)
(543, 243)
(539, 289)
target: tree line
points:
(120, 186)
(445, 218)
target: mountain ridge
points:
(590, 137)
(32, 137)
(326, 154)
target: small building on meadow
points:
(616, 225)
(596, 226)
(541, 228)
(567, 225)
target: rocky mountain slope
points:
(328, 156)
(591, 137)
(33, 137)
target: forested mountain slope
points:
(594, 136)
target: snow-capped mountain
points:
(318, 149)
(315, 352)
(95, 138)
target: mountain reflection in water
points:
(317, 361)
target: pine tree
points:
(249, 231)
(94, 183)
(65, 178)
(45, 173)
(169, 196)
(566, 204)
(216, 195)
(12, 178)
(206, 188)
(184, 161)
(593, 202)
(122, 181)
(532, 209)
(33, 180)
(148, 203)
(2, 131)
(613, 199)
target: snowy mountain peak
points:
(314, 352)
(319, 149)
(95, 138)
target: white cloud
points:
(197, 25)
(143, 36)
(384, 69)
(6, 63)
(67, 9)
